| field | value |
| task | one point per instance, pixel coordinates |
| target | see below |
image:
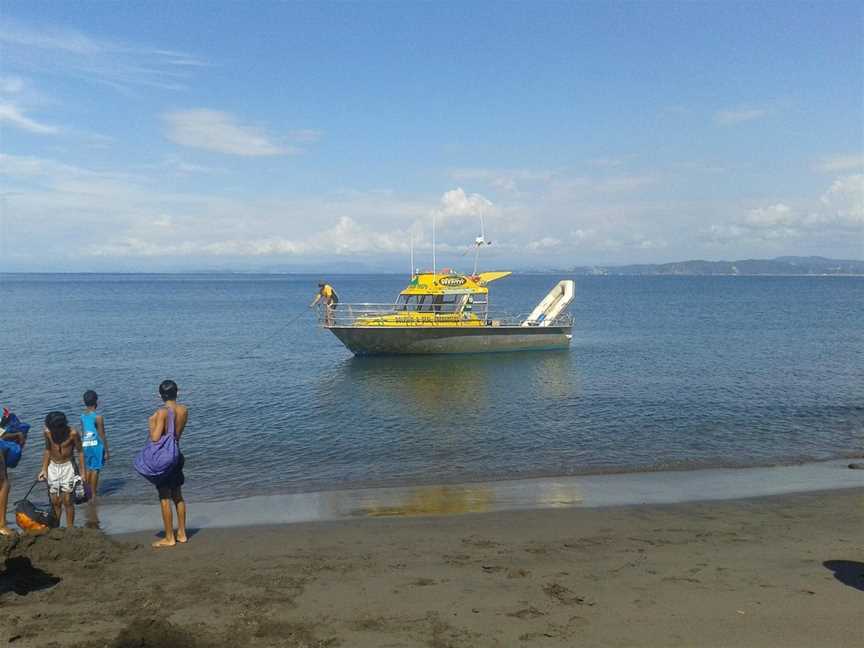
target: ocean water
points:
(663, 372)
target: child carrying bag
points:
(158, 459)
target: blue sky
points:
(169, 136)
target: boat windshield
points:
(430, 303)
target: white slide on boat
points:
(553, 304)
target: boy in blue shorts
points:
(93, 441)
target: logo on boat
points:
(452, 281)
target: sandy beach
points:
(777, 571)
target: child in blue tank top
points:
(93, 440)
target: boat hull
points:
(418, 340)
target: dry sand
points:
(741, 573)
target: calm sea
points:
(664, 372)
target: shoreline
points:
(785, 570)
(581, 492)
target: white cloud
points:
(376, 224)
(217, 131)
(647, 244)
(11, 114)
(843, 202)
(771, 216)
(52, 208)
(345, 238)
(839, 163)
(545, 243)
(55, 207)
(739, 116)
(580, 236)
(838, 213)
(456, 203)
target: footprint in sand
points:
(477, 541)
(492, 569)
(564, 595)
(527, 613)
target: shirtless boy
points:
(61, 442)
(170, 419)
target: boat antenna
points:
(412, 254)
(433, 244)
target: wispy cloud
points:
(71, 52)
(510, 180)
(839, 163)
(179, 165)
(54, 207)
(217, 131)
(739, 115)
(12, 115)
(11, 85)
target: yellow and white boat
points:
(448, 312)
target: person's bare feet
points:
(181, 537)
(164, 542)
(6, 531)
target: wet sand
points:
(778, 571)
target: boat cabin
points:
(447, 293)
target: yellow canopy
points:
(488, 277)
(440, 283)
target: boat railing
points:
(373, 315)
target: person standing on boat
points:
(327, 296)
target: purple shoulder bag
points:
(159, 458)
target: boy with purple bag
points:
(161, 462)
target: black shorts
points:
(173, 480)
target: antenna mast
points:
(433, 244)
(479, 242)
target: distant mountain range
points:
(787, 265)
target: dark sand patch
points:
(154, 633)
(87, 547)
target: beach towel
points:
(11, 452)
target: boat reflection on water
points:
(468, 381)
(423, 501)
(435, 500)
(445, 419)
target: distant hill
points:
(787, 265)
